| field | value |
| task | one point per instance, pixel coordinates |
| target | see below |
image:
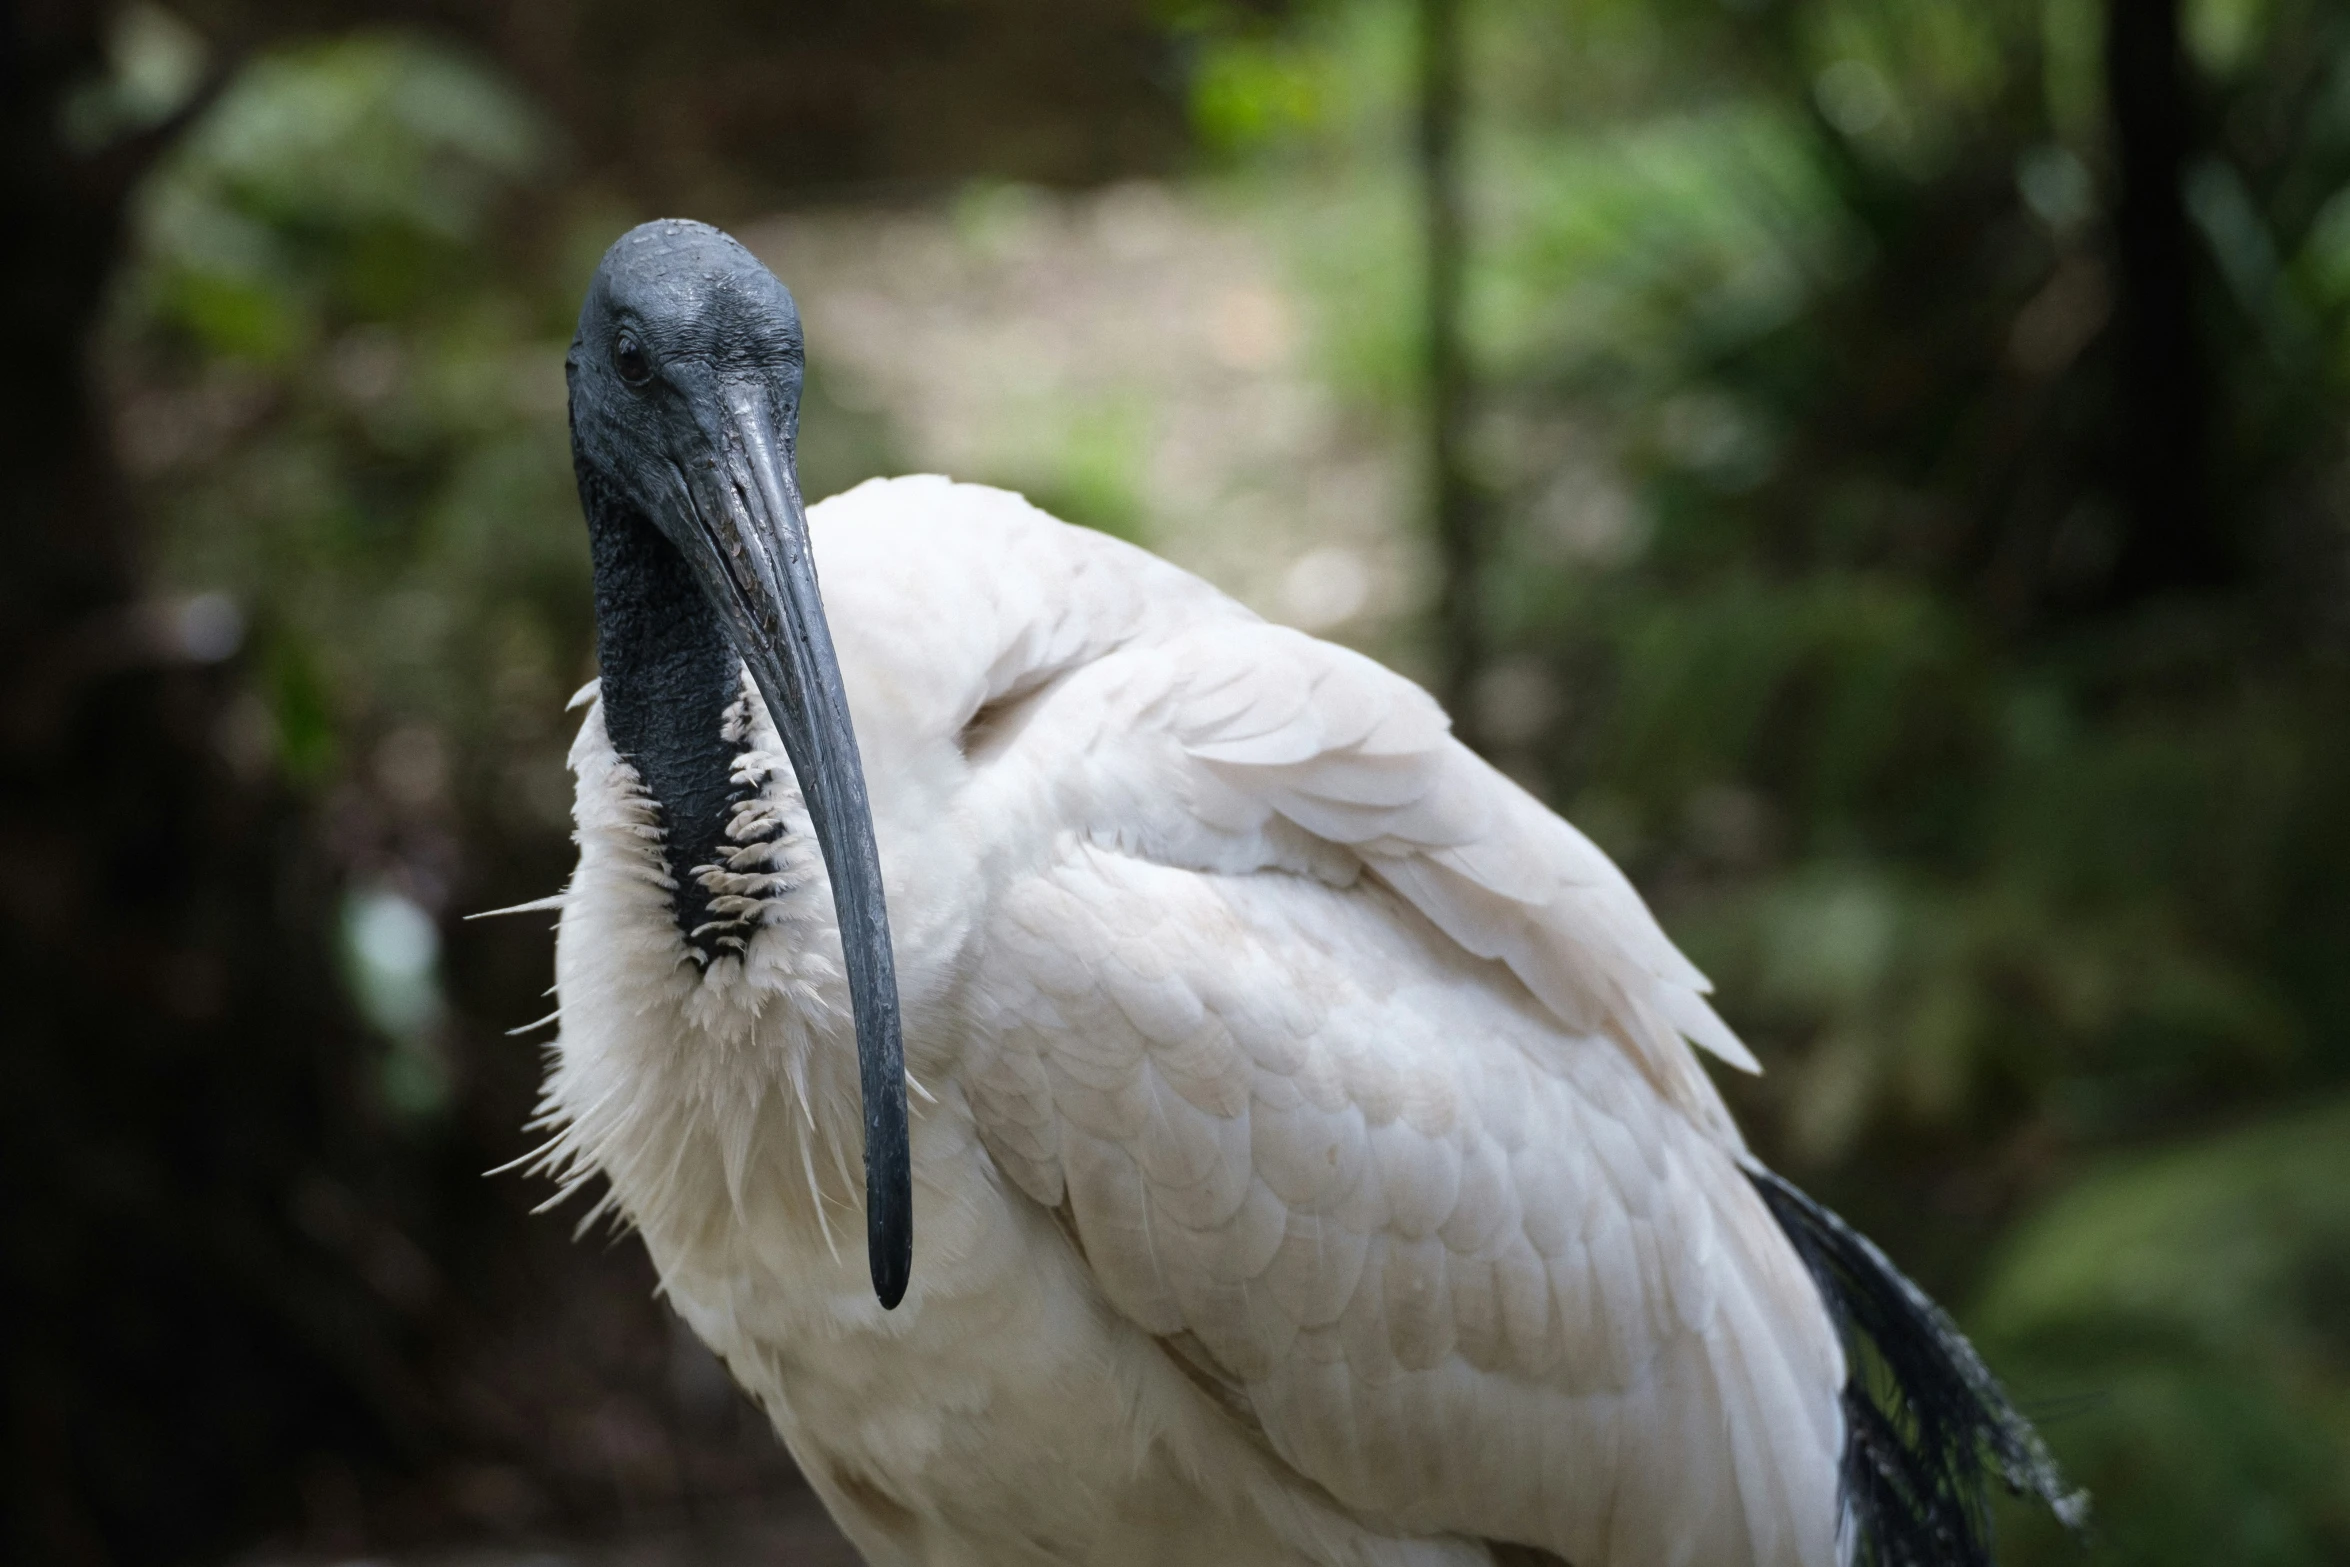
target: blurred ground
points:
(1134, 358)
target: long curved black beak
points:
(752, 556)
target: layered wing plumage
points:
(1364, 1081)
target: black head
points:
(683, 330)
(685, 391)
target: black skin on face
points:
(669, 676)
(674, 305)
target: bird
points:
(1277, 1136)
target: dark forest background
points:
(1877, 465)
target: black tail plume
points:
(1926, 1424)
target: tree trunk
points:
(176, 1347)
(2171, 539)
(1458, 513)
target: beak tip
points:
(889, 1167)
(889, 1249)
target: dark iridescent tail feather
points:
(1926, 1424)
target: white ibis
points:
(1309, 1162)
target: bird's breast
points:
(1005, 1411)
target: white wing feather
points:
(1358, 1074)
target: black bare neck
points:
(669, 676)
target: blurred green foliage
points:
(2200, 1294)
(341, 392)
(345, 398)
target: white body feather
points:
(1309, 1163)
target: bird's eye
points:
(628, 357)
